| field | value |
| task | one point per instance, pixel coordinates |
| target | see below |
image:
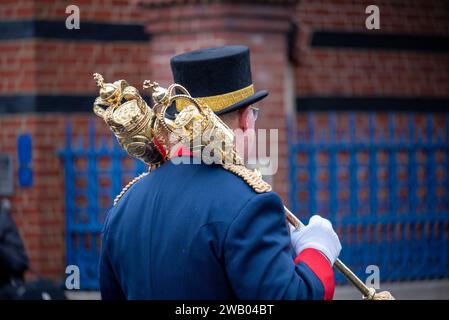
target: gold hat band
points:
(221, 101)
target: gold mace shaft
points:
(340, 266)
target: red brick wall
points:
(353, 73)
(55, 67)
(99, 11)
(348, 72)
(397, 16)
(59, 66)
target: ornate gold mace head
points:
(130, 119)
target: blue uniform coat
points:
(196, 231)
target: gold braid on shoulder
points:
(129, 185)
(252, 178)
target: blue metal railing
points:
(386, 190)
(95, 171)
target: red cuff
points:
(318, 263)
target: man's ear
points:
(244, 118)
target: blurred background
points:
(362, 114)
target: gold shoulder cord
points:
(252, 178)
(129, 185)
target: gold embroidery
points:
(221, 101)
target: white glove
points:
(319, 235)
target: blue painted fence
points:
(385, 190)
(95, 172)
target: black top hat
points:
(221, 77)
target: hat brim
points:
(259, 95)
